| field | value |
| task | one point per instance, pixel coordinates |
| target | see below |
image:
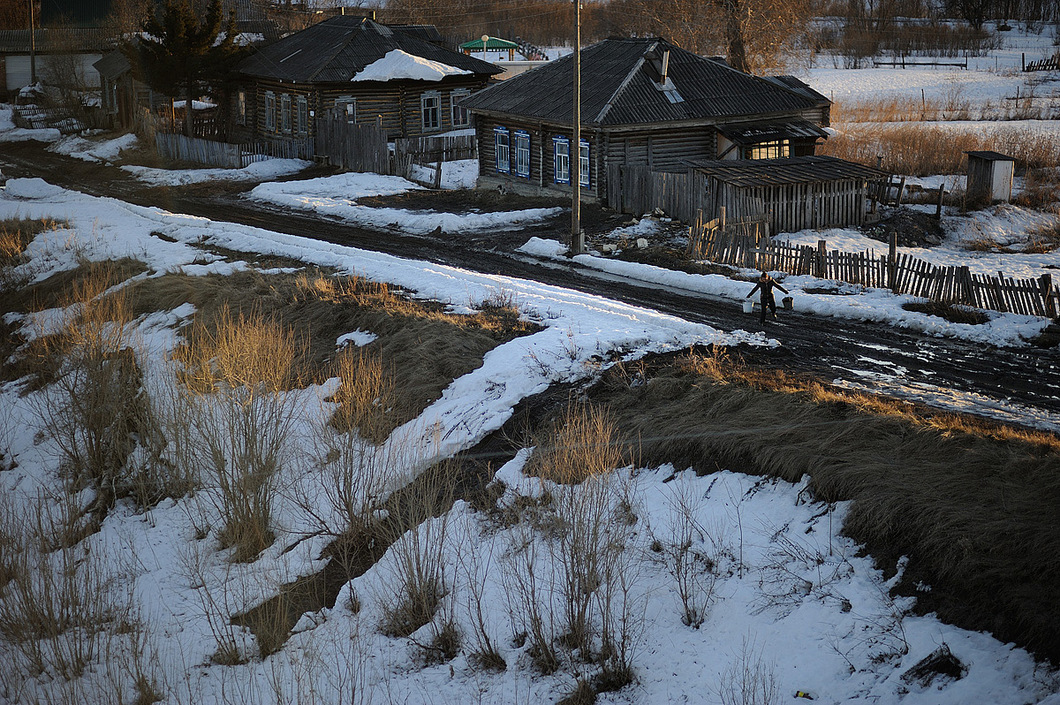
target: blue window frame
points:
(583, 163)
(502, 141)
(561, 160)
(522, 153)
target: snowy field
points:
(793, 599)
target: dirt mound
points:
(914, 228)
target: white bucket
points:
(748, 306)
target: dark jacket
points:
(767, 289)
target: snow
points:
(10, 133)
(461, 173)
(397, 65)
(335, 197)
(263, 170)
(792, 592)
(93, 151)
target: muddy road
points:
(1017, 385)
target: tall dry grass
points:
(238, 372)
(15, 236)
(919, 149)
(971, 502)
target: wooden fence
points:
(901, 273)
(197, 150)
(1050, 64)
(432, 150)
(352, 146)
(638, 190)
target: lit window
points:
(561, 160)
(522, 154)
(285, 112)
(501, 139)
(459, 114)
(430, 107)
(583, 163)
(270, 111)
(769, 150)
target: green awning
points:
(492, 44)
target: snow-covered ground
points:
(793, 598)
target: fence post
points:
(822, 263)
(721, 218)
(1046, 283)
(901, 190)
(938, 206)
(892, 261)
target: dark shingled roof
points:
(335, 50)
(620, 86)
(991, 156)
(112, 65)
(793, 170)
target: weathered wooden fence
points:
(432, 150)
(290, 148)
(638, 190)
(901, 273)
(352, 146)
(197, 150)
(1051, 63)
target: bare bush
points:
(691, 555)
(749, 679)
(238, 372)
(475, 562)
(66, 611)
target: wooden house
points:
(644, 103)
(50, 53)
(399, 76)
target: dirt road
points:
(1020, 386)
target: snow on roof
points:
(397, 64)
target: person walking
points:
(765, 285)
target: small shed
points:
(488, 43)
(990, 176)
(795, 193)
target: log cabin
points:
(645, 103)
(399, 76)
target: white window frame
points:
(457, 114)
(502, 150)
(584, 165)
(522, 153)
(301, 122)
(285, 112)
(270, 111)
(561, 160)
(431, 105)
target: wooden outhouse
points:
(990, 176)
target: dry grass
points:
(920, 150)
(972, 502)
(583, 444)
(424, 347)
(238, 370)
(15, 236)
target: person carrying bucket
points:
(765, 285)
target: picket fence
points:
(901, 273)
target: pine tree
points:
(181, 54)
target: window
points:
(583, 163)
(522, 153)
(561, 160)
(285, 112)
(430, 108)
(241, 107)
(501, 140)
(270, 111)
(768, 150)
(459, 114)
(302, 116)
(346, 104)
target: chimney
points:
(665, 66)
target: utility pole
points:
(32, 46)
(577, 238)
